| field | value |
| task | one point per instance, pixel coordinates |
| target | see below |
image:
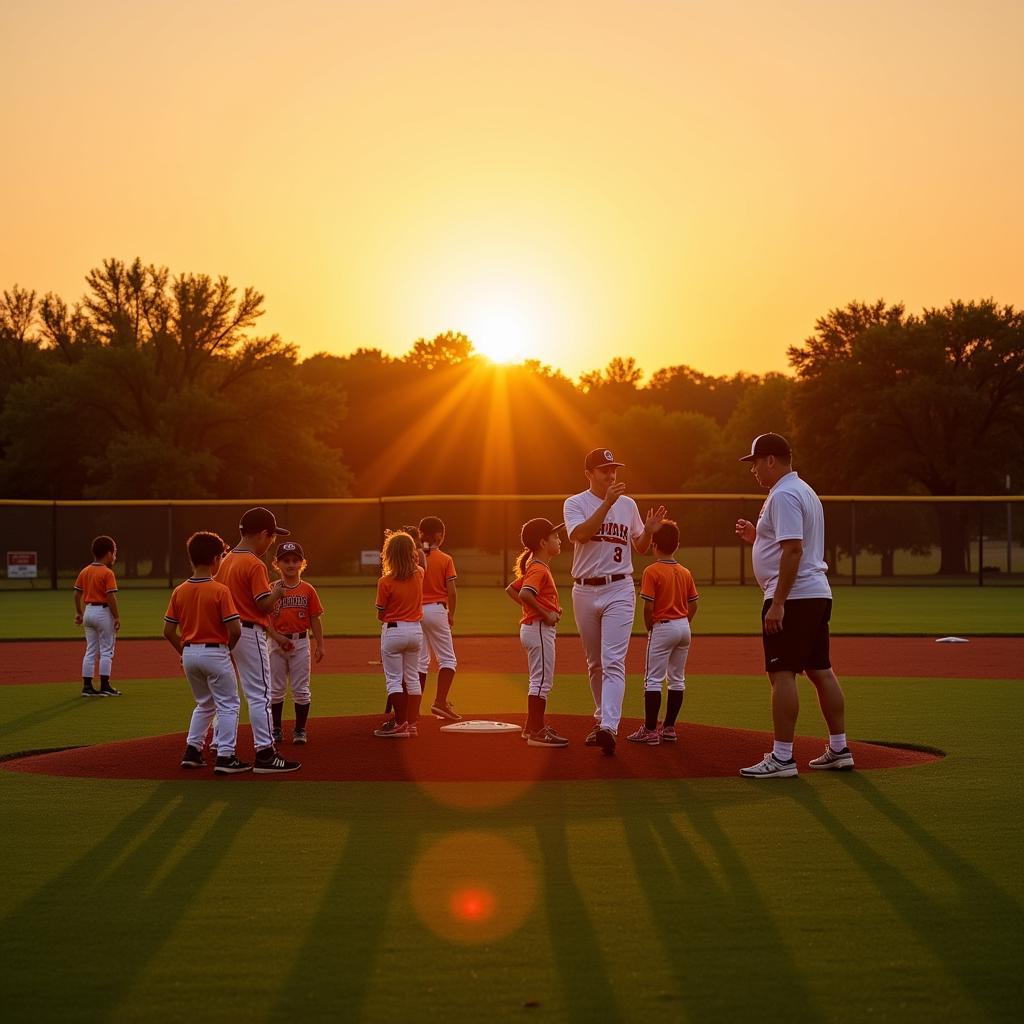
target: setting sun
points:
(505, 326)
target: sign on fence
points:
(22, 565)
(369, 558)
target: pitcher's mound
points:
(345, 750)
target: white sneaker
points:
(652, 737)
(841, 760)
(771, 767)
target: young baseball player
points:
(534, 588)
(604, 526)
(421, 560)
(439, 599)
(292, 619)
(400, 611)
(670, 605)
(202, 610)
(96, 611)
(245, 575)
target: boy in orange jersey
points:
(439, 599)
(670, 605)
(244, 573)
(202, 609)
(400, 611)
(292, 619)
(96, 610)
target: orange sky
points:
(679, 181)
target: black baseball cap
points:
(258, 519)
(535, 530)
(768, 444)
(290, 547)
(600, 457)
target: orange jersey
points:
(440, 569)
(539, 581)
(296, 609)
(200, 607)
(95, 581)
(670, 587)
(245, 576)
(401, 600)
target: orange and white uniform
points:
(201, 608)
(536, 635)
(95, 583)
(400, 605)
(437, 633)
(245, 575)
(293, 616)
(671, 590)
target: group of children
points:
(232, 626)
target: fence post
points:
(981, 544)
(170, 546)
(53, 547)
(853, 543)
(743, 565)
(380, 521)
(714, 533)
(504, 542)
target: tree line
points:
(157, 385)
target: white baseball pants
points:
(604, 616)
(293, 666)
(253, 664)
(98, 622)
(667, 648)
(400, 655)
(211, 675)
(437, 638)
(538, 640)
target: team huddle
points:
(233, 627)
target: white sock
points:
(837, 741)
(782, 751)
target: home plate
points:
(479, 726)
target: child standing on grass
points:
(439, 598)
(534, 588)
(400, 610)
(96, 610)
(294, 616)
(203, 611)
(670, 605)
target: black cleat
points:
(270, 762)
(192, 758)
(230, 766)
(109, 691)
(605, 739)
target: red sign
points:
(22, 565)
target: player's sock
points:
(277, 710)
(389, 708)
(412, 707)
(105, 682)
(86, 682)
(535, 716)
(423, 685)
(301, 716)
(398, 705)
(652, 705)
(782, 751)
(444, 684)
(837, 741)
(672, 706)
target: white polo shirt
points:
(610, 551)
(792, 511)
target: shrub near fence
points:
(871, 539)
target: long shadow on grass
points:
(103, 918)
(46, 714)
(951, 932)
(693, 911)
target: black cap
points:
(768, 444)
(258, 519)
(600, 457)
(290, 547)
(534, 531)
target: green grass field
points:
(938, 611)
(889, 896)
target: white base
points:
(474, 727)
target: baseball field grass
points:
(892, 895)
(869, 611)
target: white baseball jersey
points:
(610, 551)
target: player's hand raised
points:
(615, 491)
(655, 517)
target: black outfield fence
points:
(870, 539)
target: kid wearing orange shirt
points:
(670, 605)
(96, 610)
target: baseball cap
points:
(600, 457)
(260, 518)
(534, 531)
(768, 444)
(290, 547)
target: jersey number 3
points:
(618, 555)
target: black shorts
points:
(803, 642)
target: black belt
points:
(252, 625)
(97, 604)
(392, 625)
(296, 636)
(191, 643)
(600, 581)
